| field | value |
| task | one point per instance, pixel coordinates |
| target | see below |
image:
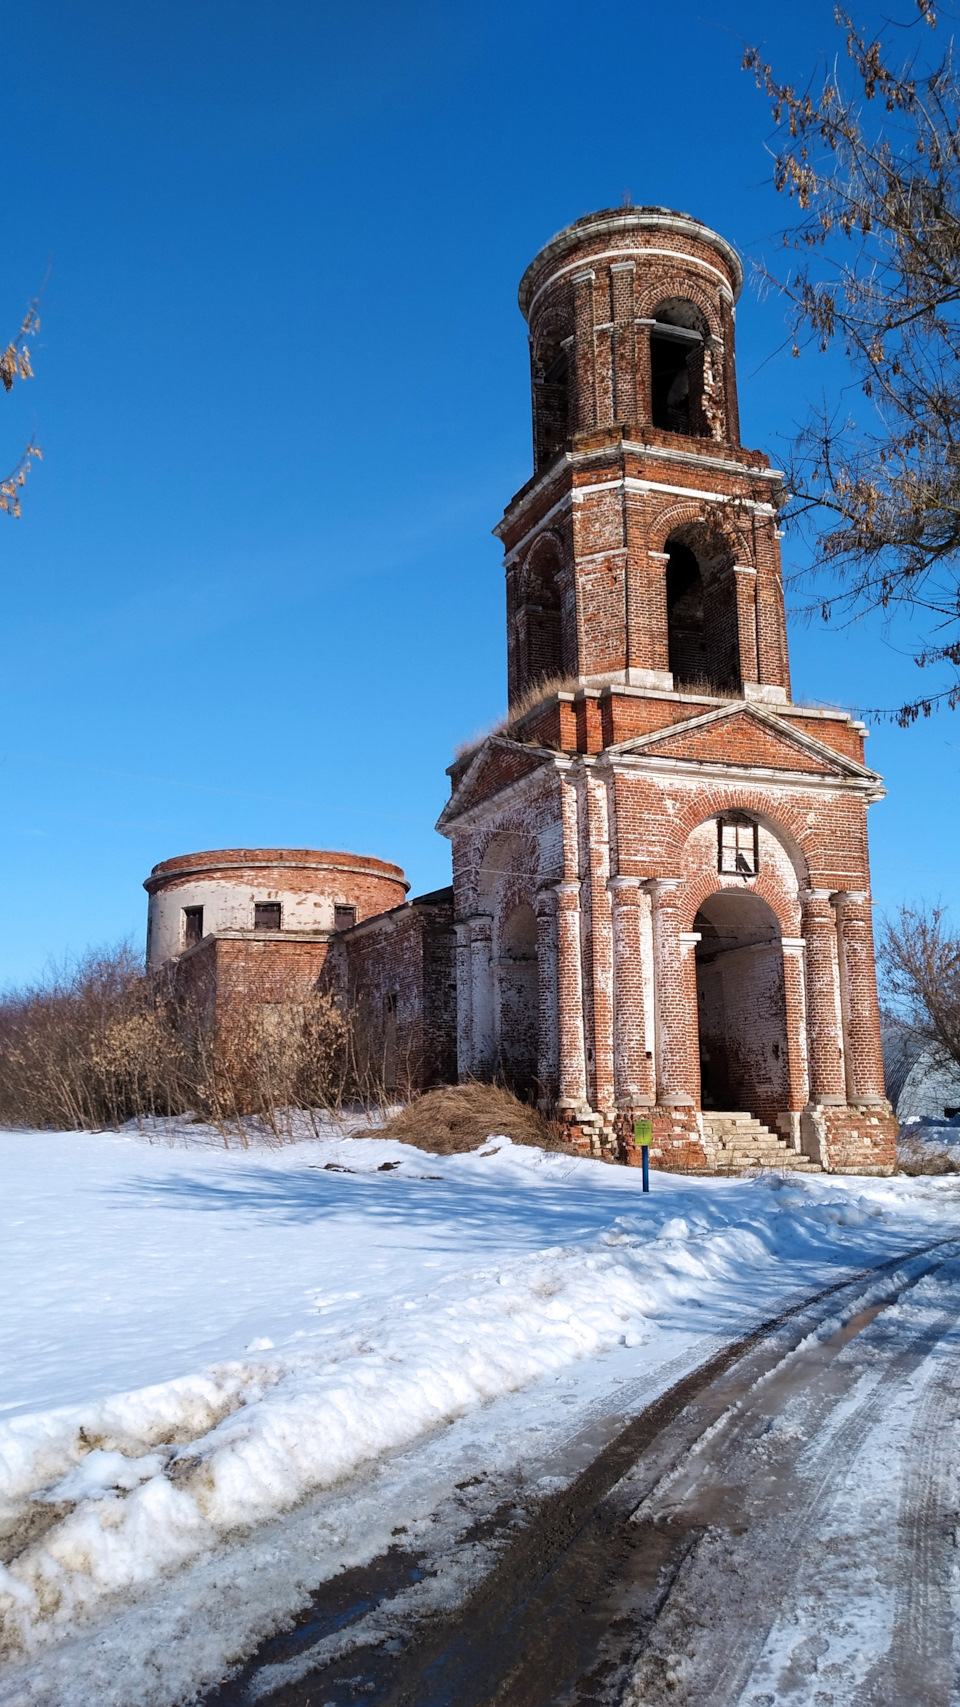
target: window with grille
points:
(344, 917)
(192, 926)
(266, 915)
(738, 848)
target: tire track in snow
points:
(732, 1590)
(919, 1664)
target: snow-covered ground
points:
(227, 1373)
(935, 1134)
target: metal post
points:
(642, 1133)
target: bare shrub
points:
(90, 1046)
(920, 960)
(915, 1158)
(265, 1058)
(456, 1118)
(103, 1042)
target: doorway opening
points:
(741, 1006)
(519, 1001)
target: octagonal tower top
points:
(631, 314)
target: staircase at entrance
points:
(736, 1141)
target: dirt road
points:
(778, 1527)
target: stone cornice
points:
(550, 760)
(625, 220)
(567, 462)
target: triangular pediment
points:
(746, 737)
(496, 765)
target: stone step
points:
(740, 1141)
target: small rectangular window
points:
(266, 915)
(192, 926)
(344, 917)
(738, 850)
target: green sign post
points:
(642, 1134)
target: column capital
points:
(851, 898)
(568, 891)
(625, 891)
(688, 939)
(809, 897)
(465, 927)
(662, 888)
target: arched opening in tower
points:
(677, 339)
(519, 1004)
(703, 641)
(686, 642)
(541, 639)
(551, 401)
(741, 1005)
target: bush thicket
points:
(102, 1042)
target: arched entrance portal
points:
(519, 1001)
(741, 1006)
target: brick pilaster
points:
(746, 581)
(794, 996)
(635, 1077)
(548, 1066)
(572, 1057)
(584, 353)
(624, 335)
(858, 987)
(598, 853)
(824, 1033)
(676, 998)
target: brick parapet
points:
(626, 711)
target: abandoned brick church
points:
(661, 892)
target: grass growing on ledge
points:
(528, 701)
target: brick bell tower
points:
(660, 862)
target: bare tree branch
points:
(877, 194)
(15, 364)
(920, 961)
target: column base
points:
(591, 1133)
(849, 1139)
(676, 1138)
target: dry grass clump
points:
(701, 687)
(456, 1118)
(536, 693)
(915, 1158)
(527, 701)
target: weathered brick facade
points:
(397, 975)
(276, 923)
(661, 874)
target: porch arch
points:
(743, 1014)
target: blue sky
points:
(282, 396)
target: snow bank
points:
(102, 1496)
